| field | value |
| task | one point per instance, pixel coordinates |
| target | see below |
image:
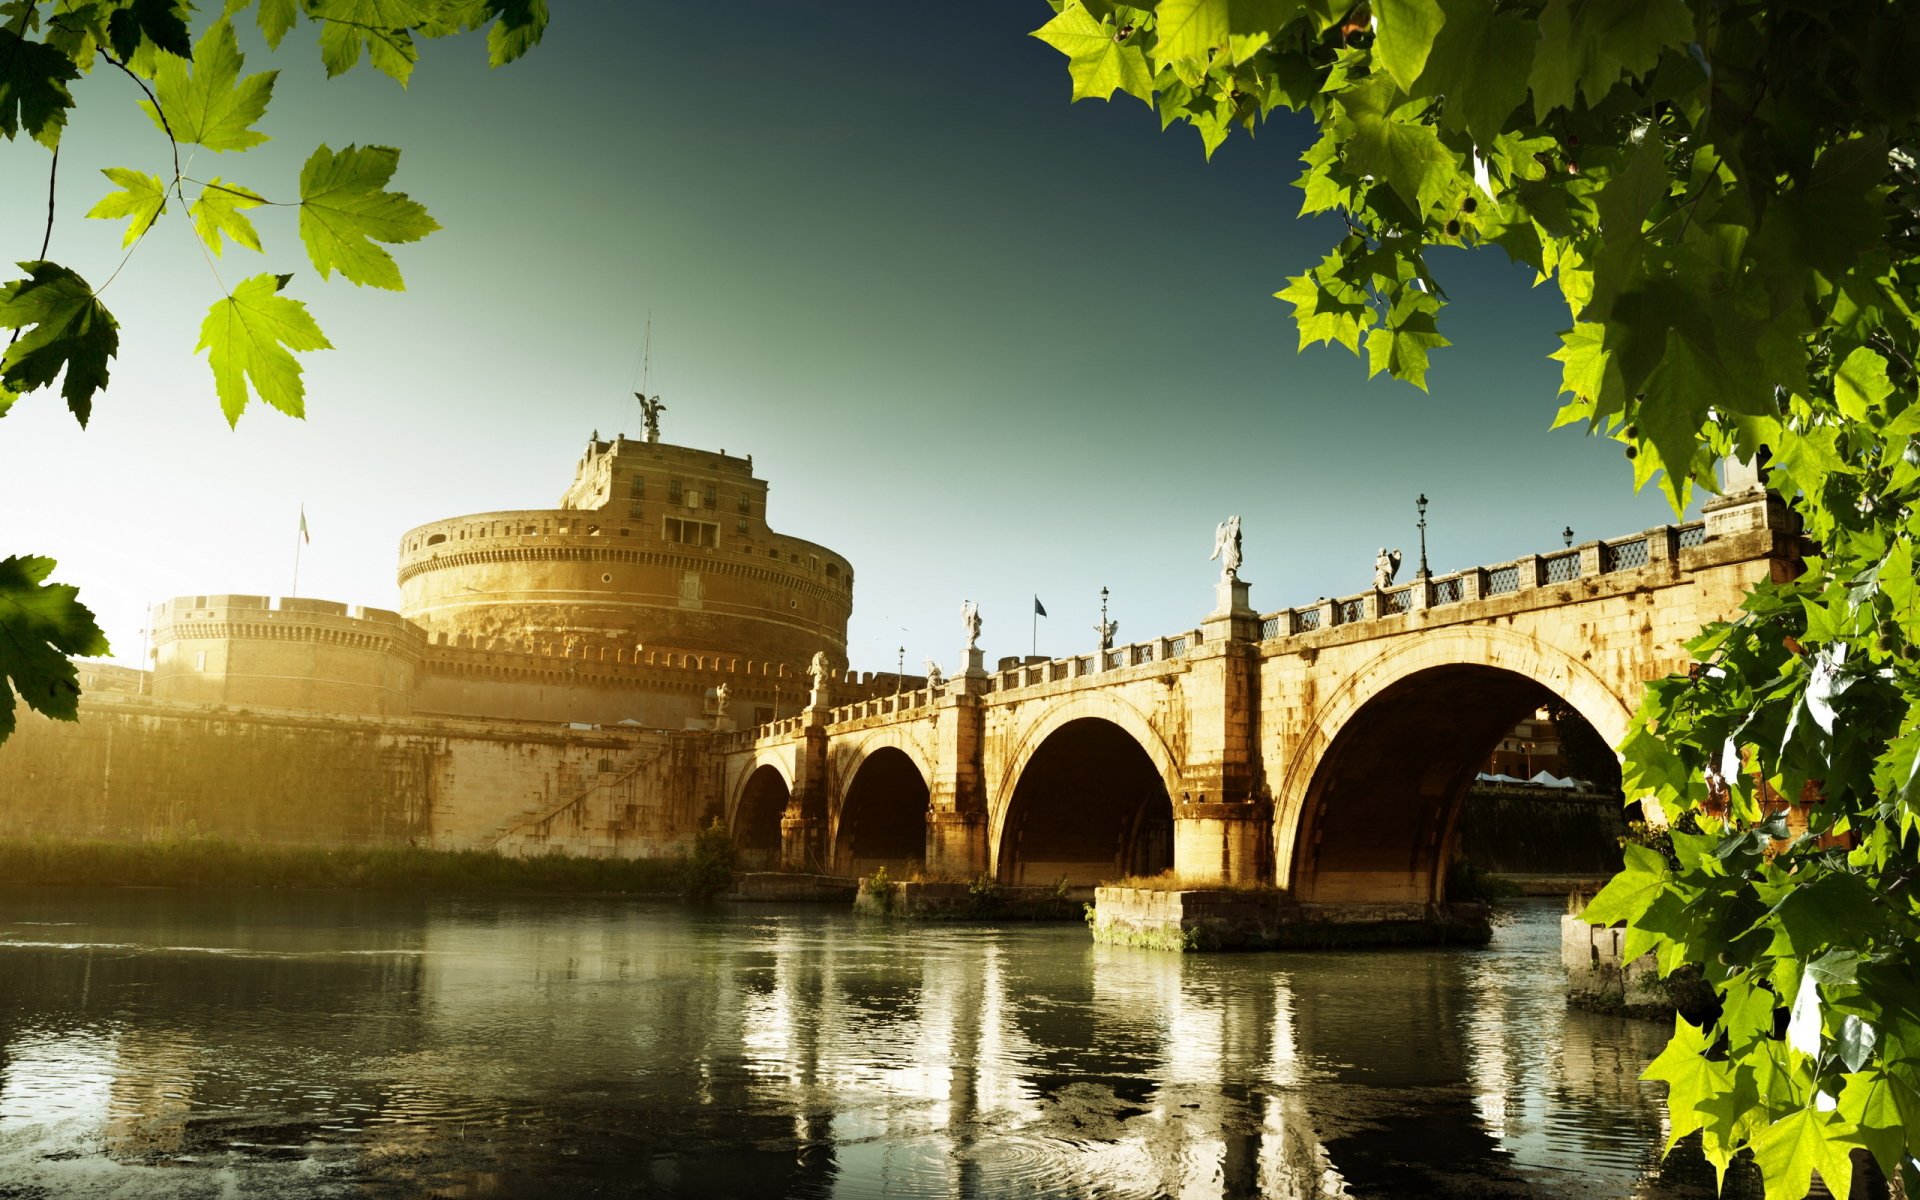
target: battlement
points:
(286, 609)
(293, 652)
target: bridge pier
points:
(803, 827)
(1222, 824)
(1222, 844)
(956, 802)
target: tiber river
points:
(170, 1044)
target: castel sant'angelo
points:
(537, 657)
(655, 579)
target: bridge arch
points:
(756, 815)
(1085, 796)
(881, 818)
(1371, 790)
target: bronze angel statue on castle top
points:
(650, 410)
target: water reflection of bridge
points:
(553, 1049)
(1327, 748)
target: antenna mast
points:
(650, 406)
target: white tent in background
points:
(1548, 779)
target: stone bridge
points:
(1325, 749)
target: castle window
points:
(773, 552)
(673, 492)
(813, 563)
(635, 510)
(636, 487)
(713, 496)
(744, 506)
(833, 570)
(692, 533)
(200, 661)
(436, 539)
(740, 526)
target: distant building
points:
(656, 579)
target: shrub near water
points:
(214, 862)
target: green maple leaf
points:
(1407, 154)
(248, 336)
(382, 29)
(216, 210)
(1402, 349)
(33, 88)
(1586, 48)
(1324, 314)
(276, 17)
(1628, 894)
(1871, 1109)
(1097, 64)
(345, 209)
(1480, 63)
(1691, 1079)
(72, 332)
(1792, 1148)
(1861, 383)
(160, 23)
(40, 624)
(1194, 29)
(142, 197)
(1404, 33)
(210, 105)
(516, 29)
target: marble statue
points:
(1106, 630)
(1226, 547)
(721, 695)
(1385, 566)
(970, 620)
(935, 677)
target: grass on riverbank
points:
(1168, 881)
(214, 862)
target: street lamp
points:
(1421, 504)
(1566, 536)
(1106, 629)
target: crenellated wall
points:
(292, 653)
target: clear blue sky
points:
(983, 342)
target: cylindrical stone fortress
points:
(654, 547)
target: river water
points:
(160, 1043)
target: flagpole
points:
(299, 537)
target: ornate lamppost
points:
(1421, 505)
(1566, 537)
(1106, 629)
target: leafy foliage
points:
(345, 209)
(72, 332)
(1727, 197)
(141, 196)
(40, 624)
(195, 93)
(248, 337)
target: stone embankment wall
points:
(1541, 831)
(138, 768)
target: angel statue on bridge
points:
(970, 620)
(818, 670)
(1226, 547)
(1386, 565)
(935, 677)
(650, 410)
